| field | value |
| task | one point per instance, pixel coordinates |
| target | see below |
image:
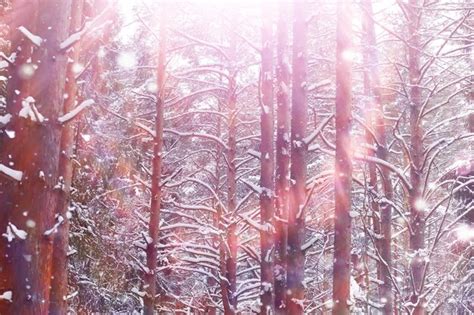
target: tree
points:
(296, 215)
(59, 279)
(377, 135)
(156, 186)
(282, 155)
(417, 211)
(35, 100)
(212, 240)
(343, 169)
(267, 168)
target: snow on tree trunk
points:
(343, 169)
(299, 117)
(282, 158)
(416, 203)
(156, 189)
(267, 165)
(30, 205)
(231, 235)
(59, 281)
(372, 90)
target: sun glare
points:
(127, 60)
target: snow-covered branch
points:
(35, 39)
(76, 111)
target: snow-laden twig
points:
(254, 153)
(88, 27)
(388, 165)
(255, 188)
(71, 40)
(76, 111)
(11, 173)
(267, 227)
(197, 135)
(310, 138)
(35, 39)
(54, 229)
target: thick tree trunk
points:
(231, 233)
(59, 281)
(29, 205)
(267, 168)
(229, 244)
(282, 158)
(231, 237)
(299, 117)
(217, 241)
(343, 171)
(155, 204)
(223, 253)
(416, 203)
(372, 89)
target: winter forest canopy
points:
(236, 157)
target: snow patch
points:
(10, 133)
(35, 39)
(7, 296)
(5, 119)
(29, 110)
(13, 174)
(74, 38)
(14, 232)
(54, 229)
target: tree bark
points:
(372, 90)
(283, 148)
(232, 241)
(299, 117)
(417, 215)
(29, 205)
(155, 204)
(231, 231)
(343, 170)
(267, 166)
(59, 280)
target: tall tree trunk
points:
(416, 203)
(299, 117)
(343, 171)
(223, 254)
(29, 204)
(231, 235)
(372, 88)
(282, 158)
(232, 242)
(59, 281)
(155, 205)
(217, 241)
(267, 167)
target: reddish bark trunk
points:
(282, 159)
(372, 89)
(59, 281)
(30, 204)
(231, 236)
(299, 117)
(417, 215)
(267, 168)
(343, 171)
(155, 204)
(231, 233)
